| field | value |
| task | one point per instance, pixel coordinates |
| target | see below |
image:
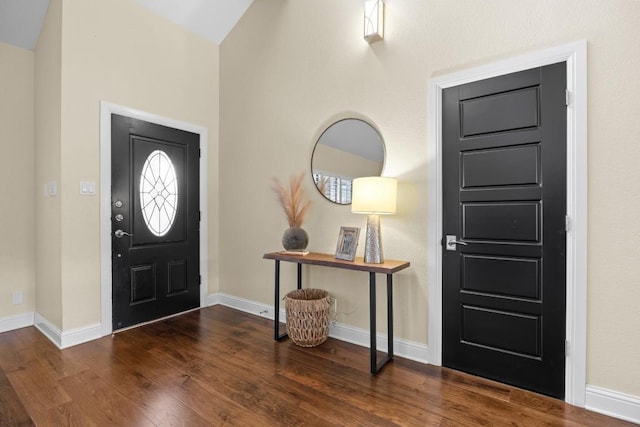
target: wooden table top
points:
(389, 266)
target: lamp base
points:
(373, 242)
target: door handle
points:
(451, 242)
(120, 233)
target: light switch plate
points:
(51, 189)
(87, 188)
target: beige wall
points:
(48, 57)
(17, 246)
(288, 66)
(118, 52)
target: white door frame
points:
(106, 109)
(575, 56)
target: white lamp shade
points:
(374, 195)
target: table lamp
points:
(374, 196)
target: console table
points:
(388, 267)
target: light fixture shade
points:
(374, 195)
(373, 20)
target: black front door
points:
(504, 202)
(154, 221)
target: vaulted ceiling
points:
(21, 20)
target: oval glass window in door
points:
(158, 193)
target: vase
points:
(295, 239)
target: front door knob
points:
(451, 243)
(120, 233)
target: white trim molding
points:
(402, 348)
(49, 330)
(575, 56)
(613, 404)
(242, 304)
(67, 338)
(106, 109)
(411, 350)
(17, 321)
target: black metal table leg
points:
(372, 322)
(276, 315)
(375, 365)
(276, 321)
(390, 315)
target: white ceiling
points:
(21, 20)
(212, 19)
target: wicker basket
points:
(308, 316)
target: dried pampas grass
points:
(293, 199)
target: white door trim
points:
(575, 55)
(106, 109)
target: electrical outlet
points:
(18, 297)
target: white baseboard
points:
(17, 321)
(613, 403)
(67, 338)
(402, 348)
(248, 306)
(48, 329)
(81, 335)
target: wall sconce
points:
(373, 20)
(374, 196)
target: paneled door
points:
(155, 221)
(504, 245)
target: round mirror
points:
(348, 149)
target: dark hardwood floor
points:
(218, 366)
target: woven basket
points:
(308, 316)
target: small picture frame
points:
(347, 243)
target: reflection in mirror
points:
(348, 149)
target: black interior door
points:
(155, 221)
(504, 201)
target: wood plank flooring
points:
(219, 366)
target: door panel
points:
(501, 331)
(500, 112)
(143, 280)
(155, 201)
(514, 277)
(504, 195)
(501, 221)
(501, 166)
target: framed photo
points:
(347, 243)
